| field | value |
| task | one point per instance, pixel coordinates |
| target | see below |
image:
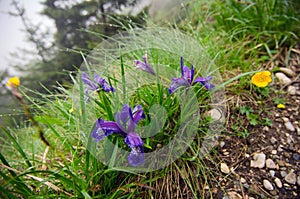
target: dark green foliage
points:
(75, 22)
(273, 21)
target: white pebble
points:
(272, 173)
(224, 168)
(274, 152)
(292, 90)
(290, 178)
(288, 125)
(278, 182)
(283, 79)
(259, 160)
(267, 184)
(287, 71)
(243, 180)
(270, 164)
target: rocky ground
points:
(265, 163)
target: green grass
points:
(223, 40)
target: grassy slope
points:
(237, 42)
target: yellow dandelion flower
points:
(282, 106)
(261, 79)
(13, 82)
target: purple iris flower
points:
(126, 121)
(187, 79)
(94, 86)
(144, 65)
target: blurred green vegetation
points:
(75, 22)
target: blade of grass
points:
(15, 180)
(4, 193)
(18, 147)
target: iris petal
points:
(188, 73)
(105, 128)
(133, 140)
(122, 117)
(138, 114)
(205, 81)
(136, 156)
(181, 66)
(176, 83)
(103, 83)
(91, 85)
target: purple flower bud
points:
(145, 66)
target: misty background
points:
(36, 34)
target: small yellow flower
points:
(13, 82)
(282, 106)
(261, 79)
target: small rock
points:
(222, 144)
(278, 182)
(224, 168)
(287, 71)
(267, 184)
(259, 160)
(291, 90)
(273, 152)
(274, 192)
(296, 156)
(270, 164)
(247, 186)
(294, 193)
(273, 140)
(288, 125)
(233, 195)
(289, 140)
(266, 129)
(285, 119)
(280, 163)
(272, 173)
(283, 168)
(290, 178)
(298, 131)
(291, 147)
(283, 173)
(298, 180)
(216, 115)
(283, 79)
(280, 149)
(243, 180)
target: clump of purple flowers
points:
(126, 121)
(187, 79)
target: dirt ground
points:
(277, 174)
